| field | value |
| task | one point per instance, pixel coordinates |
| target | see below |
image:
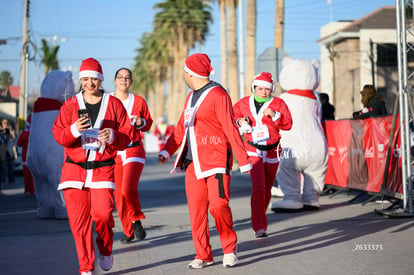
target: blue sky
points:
(110, 30)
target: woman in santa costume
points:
(92, 126)
(130, 162)
(260, 116)
(206, 136)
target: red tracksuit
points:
(266, 158)
(129, 165)
(89, 192)
(213, 135)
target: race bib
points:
(260, 133)
(90, 139)
(189, 114)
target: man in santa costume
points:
(304, 157)
(92, 126)
(260, 116)
(206, 136)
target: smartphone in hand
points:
(84, 113)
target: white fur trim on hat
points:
(186, 69)
(93, 74)
(262, 83)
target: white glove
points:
(245, 128)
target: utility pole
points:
(280, 24)
(24, 68)
(332, 56)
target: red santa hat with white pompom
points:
(264, 80)
(91, 67)
(199, 65)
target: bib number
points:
(260, 133)
(189, 114)
(90, 140)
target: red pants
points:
(202, 196)
(126, 195)
(263, 176)
(85, 207)
(28, 180)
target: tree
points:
(233, 53)
(251, 25)
(6, 80)
(49, 59)
(223, 41)
(151, 69)
(185, 23)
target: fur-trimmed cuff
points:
(111, 139)
(144, 122)
(246, 168)
(75, 131)
(165, 154)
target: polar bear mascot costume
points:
(45, 155)
(304, 157)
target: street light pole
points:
(24, 69)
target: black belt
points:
(264, 147)
(134, 144)
(92, 164)
(186, 162)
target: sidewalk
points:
(341, 238)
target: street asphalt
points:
(341, 238)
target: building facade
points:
(360, 52)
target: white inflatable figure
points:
(45, 155)
(304, 156)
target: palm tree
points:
(251, 24)
(223, 39)
(6, 80)
(153, 60)
(232, 54)
(185, 22)
(49, 59)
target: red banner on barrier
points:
(358, 151)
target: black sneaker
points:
(139, 231)
(126, 239)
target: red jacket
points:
(23, 141)
(112, 114)
(213, 135)
(245, 107)
(136, 106)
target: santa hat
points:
(263, 80)
(91, 68)
(199, 65)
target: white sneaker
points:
(261, 233)
(230, 260)
(277, 192)
(106, 262)
(87, 273)
(286, 206)
(197, 264)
